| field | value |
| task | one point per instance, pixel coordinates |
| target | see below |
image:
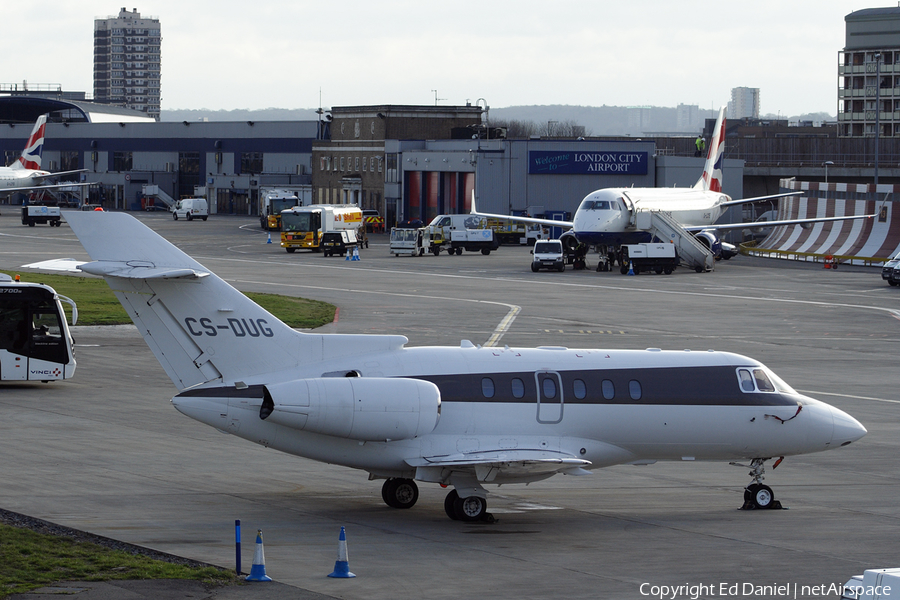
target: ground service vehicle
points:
(373, 221)
(888, 269)
(191, 208)
(339, 242)
(35, 343)
(894, 279)
(302, 226)
(511, 232)
(33, 214)
(659, 257)
(473, 235)
(271, 203)
(548, 254)
(407, 241)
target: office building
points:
(869, 74)
(127, 61)
(744, 103)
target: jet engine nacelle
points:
(712, 242)
(359, 408)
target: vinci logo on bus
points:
(555, 162)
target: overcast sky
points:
(254, 54)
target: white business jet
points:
(25, 174)
(465, 416)
(605, 218)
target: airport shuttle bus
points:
(35, 343)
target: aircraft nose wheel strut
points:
(758, 495)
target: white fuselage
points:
(579, 421)
(20, 178)
(607, 216)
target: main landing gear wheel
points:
(469, 510)
(450, 503)
(400, 493)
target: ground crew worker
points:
(700, 143)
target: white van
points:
(189, 208)
(548, 254)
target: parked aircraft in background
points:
(464, 416)
(606, 217)
(25, 174)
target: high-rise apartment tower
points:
(127, 61)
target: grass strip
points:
(32, 560)
(97, 305)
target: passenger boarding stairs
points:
(691, 252)
(153, 191)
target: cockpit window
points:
(746, 380)
(761, 380)
(599, 205)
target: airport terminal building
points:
(404, 161)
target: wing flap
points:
(510, 463)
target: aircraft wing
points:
(760, 198)
(760, 224)
(487, 465)
(49, 186)
(547, 222)
(59, 174)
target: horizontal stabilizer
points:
(126, 270)
(130, 270)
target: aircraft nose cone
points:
(846, 428)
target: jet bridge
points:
(691, 252)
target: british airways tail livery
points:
(606, 218)
(465, 416)
(34, 148)
(25, 174)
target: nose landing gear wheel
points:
(759, 496)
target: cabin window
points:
(608, 389)
(634, 389)
(548, 385)
(579, 389)
(518, 388)
(487, 387)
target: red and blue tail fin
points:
(31, 155)
(711, 180)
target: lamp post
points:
(826, 164)
(877, 112)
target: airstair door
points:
(549, 397)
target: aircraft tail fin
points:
(198, 326)
(34, 148)
(711, 180)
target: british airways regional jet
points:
(605, 218)
(25, 174)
